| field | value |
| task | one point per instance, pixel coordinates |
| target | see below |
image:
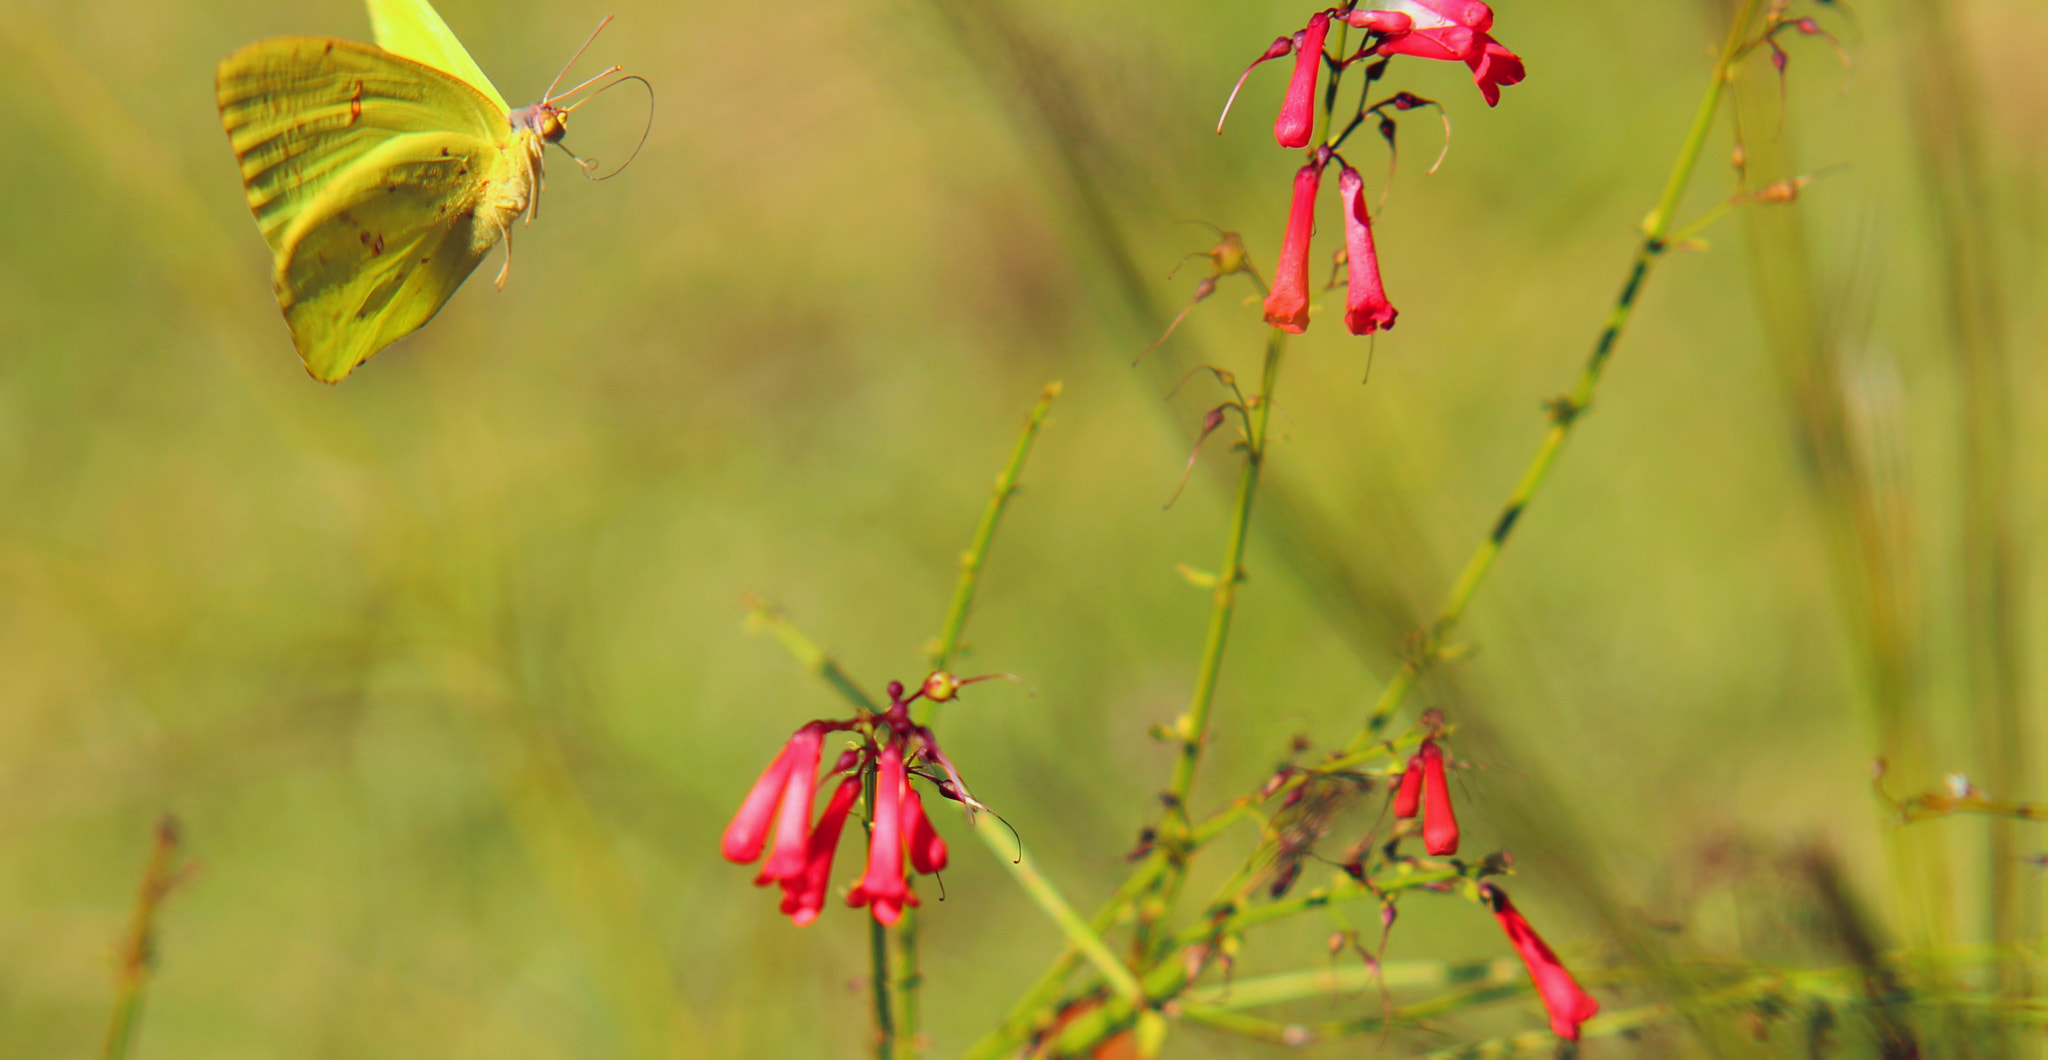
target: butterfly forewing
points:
(413, 28)
(300, 110)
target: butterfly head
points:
(548, 122)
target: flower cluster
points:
(888, 750)
(1423, 790)
(1447, 30)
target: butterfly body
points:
(379, 176)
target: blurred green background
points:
(445, 671)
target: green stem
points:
(907, 977)
(1171, 974)
(1194, 725)
(878, 973)
(948, 641)
(764, 618)
(1079, 934)
(1565, 411)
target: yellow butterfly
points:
(380, 176)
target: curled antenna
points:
(589, 165)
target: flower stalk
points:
(1565, 411)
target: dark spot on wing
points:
(355, 104)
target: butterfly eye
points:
(554, 125)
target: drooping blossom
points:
(883, 886)
(1297, 120)
(927, 849)
(1446, 30)
(803, 895)
(1287, 301)
(1366, 308)
(1408, 796)
(1439, 823)
(793, 821)
(748, 832)
(1568, 1005)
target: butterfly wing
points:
(413, 29)
(365, 171)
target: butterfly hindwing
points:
(413, 28)
(383, 246)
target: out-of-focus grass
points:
(443, 669)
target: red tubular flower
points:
(927, 850)
(748, 831)
(1439, 823)
(803, 895)
(1287, 302)
(1366, 308)
(1297, 120)
(793, 822)
(1568, 1005)
(883, 885)
(1408, 797)
(1446, 30)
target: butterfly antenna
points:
(549, 96)
(599, 76)
(590, 165)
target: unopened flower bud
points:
(941, 686)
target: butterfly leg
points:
(505, 269)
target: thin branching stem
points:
(1565, 411)
(1194, 725)
(947, 642)
(906, 974)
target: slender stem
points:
(948, 641)
(1565, 411)
(764, 618)
(138, 952)
(906, 975)
(1172, 974)
(878, 973)
(1194, 725)
(1079, 934)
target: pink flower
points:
(1297, 120)
(883, 885)
(803, 895)
(793, 821)
(1568, 1005)
(1439, 823)
(1366, 308)
(927, 850)
(748, 832)
(1287, 302)
(1408, 797)
(1446, 30)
